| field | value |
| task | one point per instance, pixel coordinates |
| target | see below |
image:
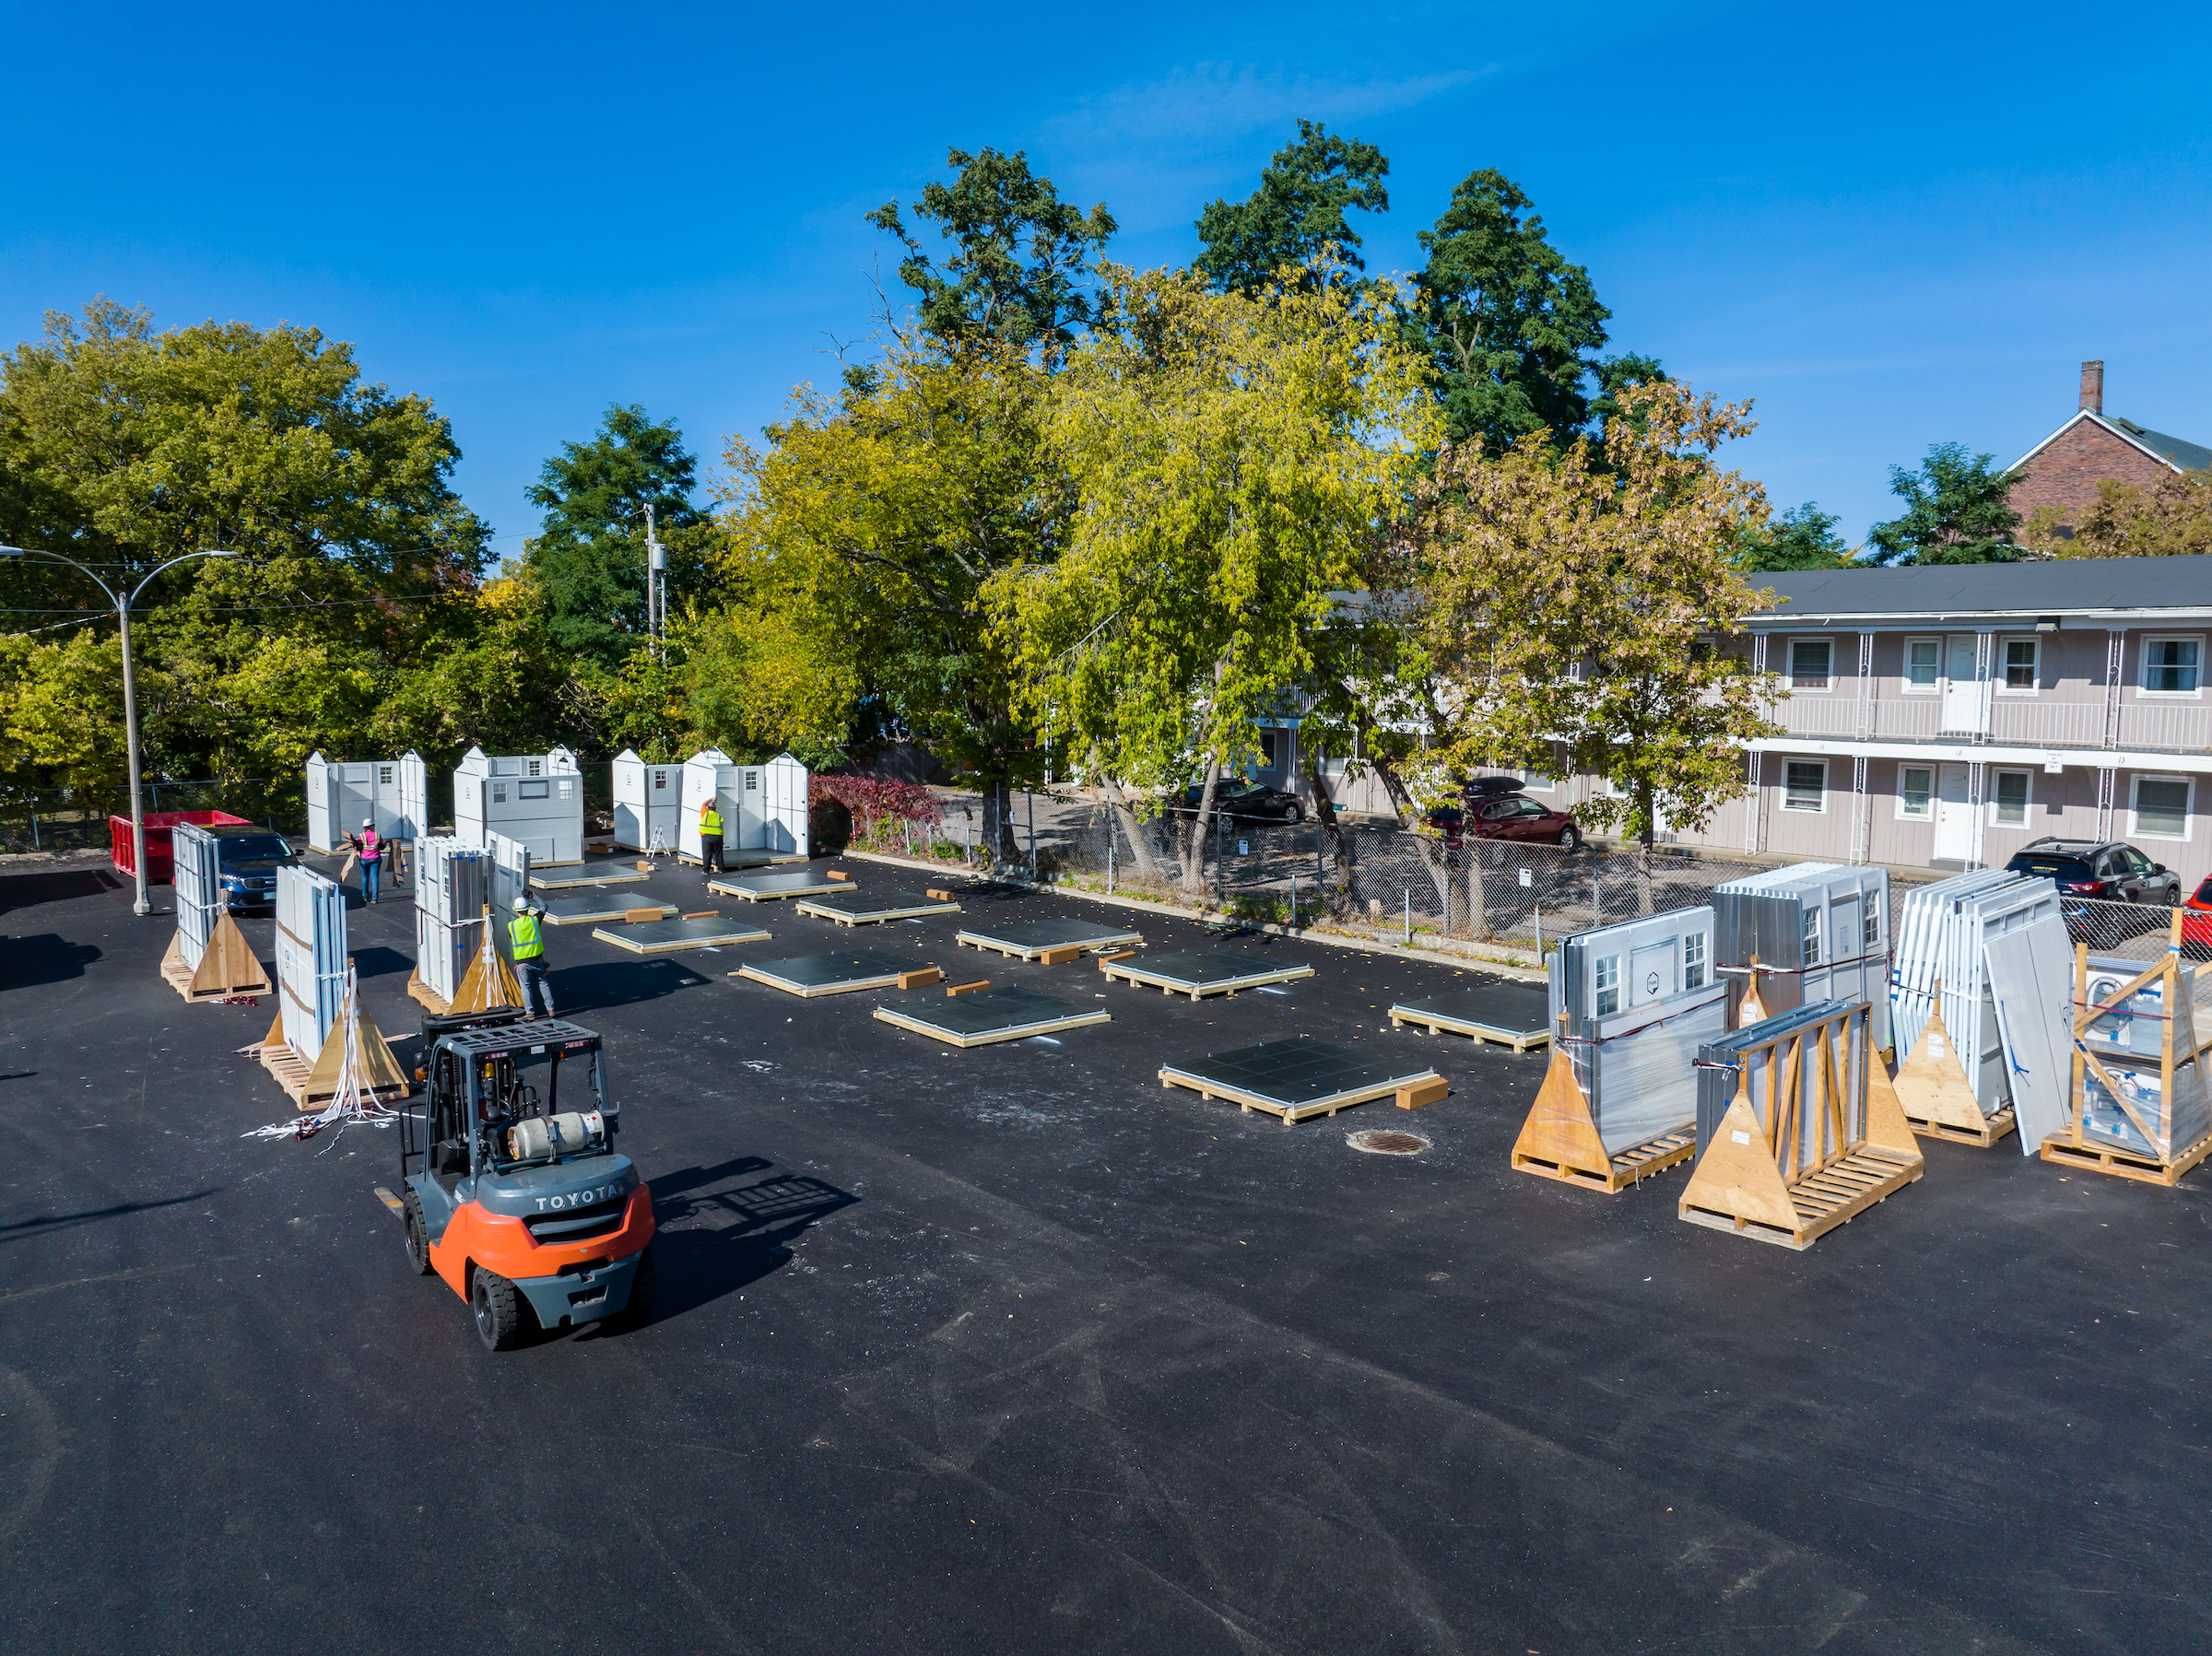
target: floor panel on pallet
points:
(988, 1017)
(769, 887)
(1200, 972)
(851, 907)
(1296, 1079)
(585, 910)
(811, 975)
(666, 937)
(1026, 939)
(1513, 1015)
(571, 882)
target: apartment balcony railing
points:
(2154, 727)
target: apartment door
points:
(1954, 816)
(1961, 690)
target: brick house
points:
(2062, 471)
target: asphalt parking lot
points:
(1012, 1350)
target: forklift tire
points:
(419, 1247)
(639, 1312)
(499, 1310)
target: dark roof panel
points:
(2189, 456)
(2045, 587)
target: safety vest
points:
(522, 930)
(710, 820)
(370, 845)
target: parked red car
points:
(2196, 917)
(1510, 816)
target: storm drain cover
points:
(1382, 1141)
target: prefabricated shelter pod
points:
(765, 809)
(452, 883)
(648, 804)
(783, 818)
(712, 775)
(393, 793)
(311, 957)
(536, 799)
(1636, 1000)
(1810, 931)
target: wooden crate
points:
(1757, 1179)
(2074, 1148)
(2124, 1164)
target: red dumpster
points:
(160, 862)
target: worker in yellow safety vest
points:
(526, 937)
(710, 836)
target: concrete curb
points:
(1366, 945)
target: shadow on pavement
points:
(599, 984)
(717, 1236)
(47, 958)
(54, 886)
(47, 1224)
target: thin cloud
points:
(1196, 109)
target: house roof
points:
(2065, 586)
(2181, 456)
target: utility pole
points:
(656, 594)
(130, 690)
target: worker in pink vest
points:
(372, 857)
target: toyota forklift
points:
(520, 1202)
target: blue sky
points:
(1889, 226)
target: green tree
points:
(589, 555)
(1958, 510)
(124, 448)
(863, 535)
(1804, 537)
(1513, 328)
(1015, 271)
(1232, 457)
(2174, 520)
(1564, 606)
(1296, 215)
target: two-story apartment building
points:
(1945, 715)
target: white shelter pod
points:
(393, 793)
(311, 957)
(536, 799)
(712, 774)
(648, 803)
(783, 821)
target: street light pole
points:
(130, 690)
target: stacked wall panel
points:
(1639, 998)
(311, 956)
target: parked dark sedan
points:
(1236, 797)
(247, 859)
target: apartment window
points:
(1608, 984)
(1810, 663)
(1693, 961)
(1923, 665)
(1805, 785)
(2169, 666)
(2008, 799)
(1870, 925)
(1916, 791)
(1812, 937)
(384, 776)
(2020, 664)
(2160, 807)
(1536, 781)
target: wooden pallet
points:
(1292, 1114)
(1519, 1042)
(227, 968)
(309, 1085)
(1017, 951)
(1834, 1196)
(1140, 977)
(2125, 1164)
(1993, 1129)
(1621, 1171)
(423, 996)
(990, 1036)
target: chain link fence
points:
(1363, 878)
(73, 819)
(2135, 931)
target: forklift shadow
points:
(715, 1235)
(46, 958)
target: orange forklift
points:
(520, 1202)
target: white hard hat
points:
(368, 822)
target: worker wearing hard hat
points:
(526, 936)
(371, 848)
(710, 835)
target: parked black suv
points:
(247, 859)
(2104, 869)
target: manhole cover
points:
(1385, 1143)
